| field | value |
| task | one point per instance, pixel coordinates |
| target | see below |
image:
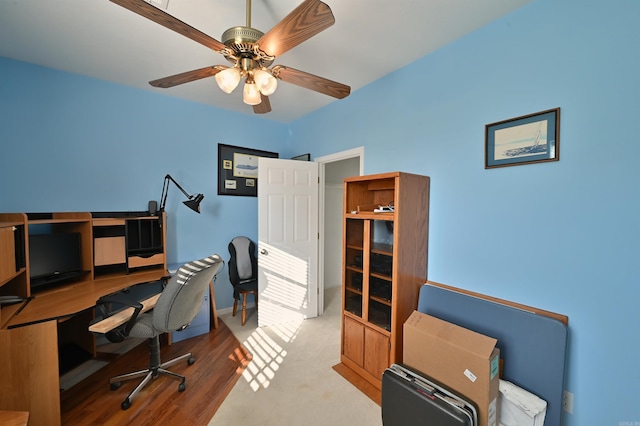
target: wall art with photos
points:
(302, 157)
(238, 170)
(533, 138)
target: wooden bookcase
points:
(384, 265)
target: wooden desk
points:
(117, 250)
(14, 418)
(66, 301)
(30, 379)
(29, 345)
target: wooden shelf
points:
(380, 300)
(54, 221)
(353, 290)
(384, 249)
(108, 222)
(370, 216)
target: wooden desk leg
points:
(213, 315)
(30, 379)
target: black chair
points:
(179, 303)
(243, 273)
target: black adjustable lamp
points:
(193, 201)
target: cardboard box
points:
(463, 360)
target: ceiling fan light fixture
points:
(250, 52)
(228, 79)
(267, 83)
(251, 94)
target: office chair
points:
(177, 306)
(243, 273)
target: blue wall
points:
(71, 143)
(560, 236)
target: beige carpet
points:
(290, 380)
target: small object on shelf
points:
(385, 209)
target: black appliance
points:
(54, 258)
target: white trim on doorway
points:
(323, 161)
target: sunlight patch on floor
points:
(268, 353)
(283, 301)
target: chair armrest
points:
(165, 280)
(126, 315)
(118, 300)
(123, 298)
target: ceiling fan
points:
(252, 52)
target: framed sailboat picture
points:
(533, 138)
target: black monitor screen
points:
(54, 254)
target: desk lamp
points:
(193, 201)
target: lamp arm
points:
(178, 185)
(193, 201)
(165, 191)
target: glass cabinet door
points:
(380, 273)
(354, 262)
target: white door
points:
(287, 240)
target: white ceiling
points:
(370, 39)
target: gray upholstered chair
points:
(243, 273)
(177, 306)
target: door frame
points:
(322, 162)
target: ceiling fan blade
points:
(264, 106)
(311, 82)
(144, 9)
(305, 21)
(186, 77)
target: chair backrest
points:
(181, 299)
(243, 264)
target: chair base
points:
(155, 369)
(243, 294)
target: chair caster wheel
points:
(125, 404)
(115, 385)
(182, 386)
(191, 360)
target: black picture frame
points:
(238, 170)
(532, 138)
(302, 157)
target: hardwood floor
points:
(220, 360)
